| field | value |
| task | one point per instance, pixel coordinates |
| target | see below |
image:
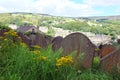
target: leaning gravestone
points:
(111, 62)
(81, 44)
(56, 43)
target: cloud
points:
(102, 2)
(63, 8)
(16, 5)
(56, 7)
(2, 9)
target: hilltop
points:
(117, 17)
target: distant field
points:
(116, 22)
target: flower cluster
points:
(11, 32)
(36, 46)
(36, 51)
(67, 60)
(13, 36)
(10, 39)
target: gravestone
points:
(106, 49)
(81, 44)
(25, 39)
(111, 61)
(40, 40)
(56, 43)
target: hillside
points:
(108, 25)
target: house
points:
(29, 28)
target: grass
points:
(94, 75)
(17, 62)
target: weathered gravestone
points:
(25, 39)
(56, 43)
(81, 44)
(111, 62)
(48, 39)
(40, 40)
(106, 49)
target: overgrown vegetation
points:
(18, 62)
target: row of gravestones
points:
(80, 44)
(74, 42)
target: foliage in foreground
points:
(17, 62)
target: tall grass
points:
(19, 63)
(26, 65)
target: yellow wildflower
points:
(5, 39)
(58, 64)
(67, 60)
(36, 46)
(43, 58)
(6, 33)
(36, 52)
(11, 32)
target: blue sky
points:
(69, 8)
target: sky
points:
(67, 8)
